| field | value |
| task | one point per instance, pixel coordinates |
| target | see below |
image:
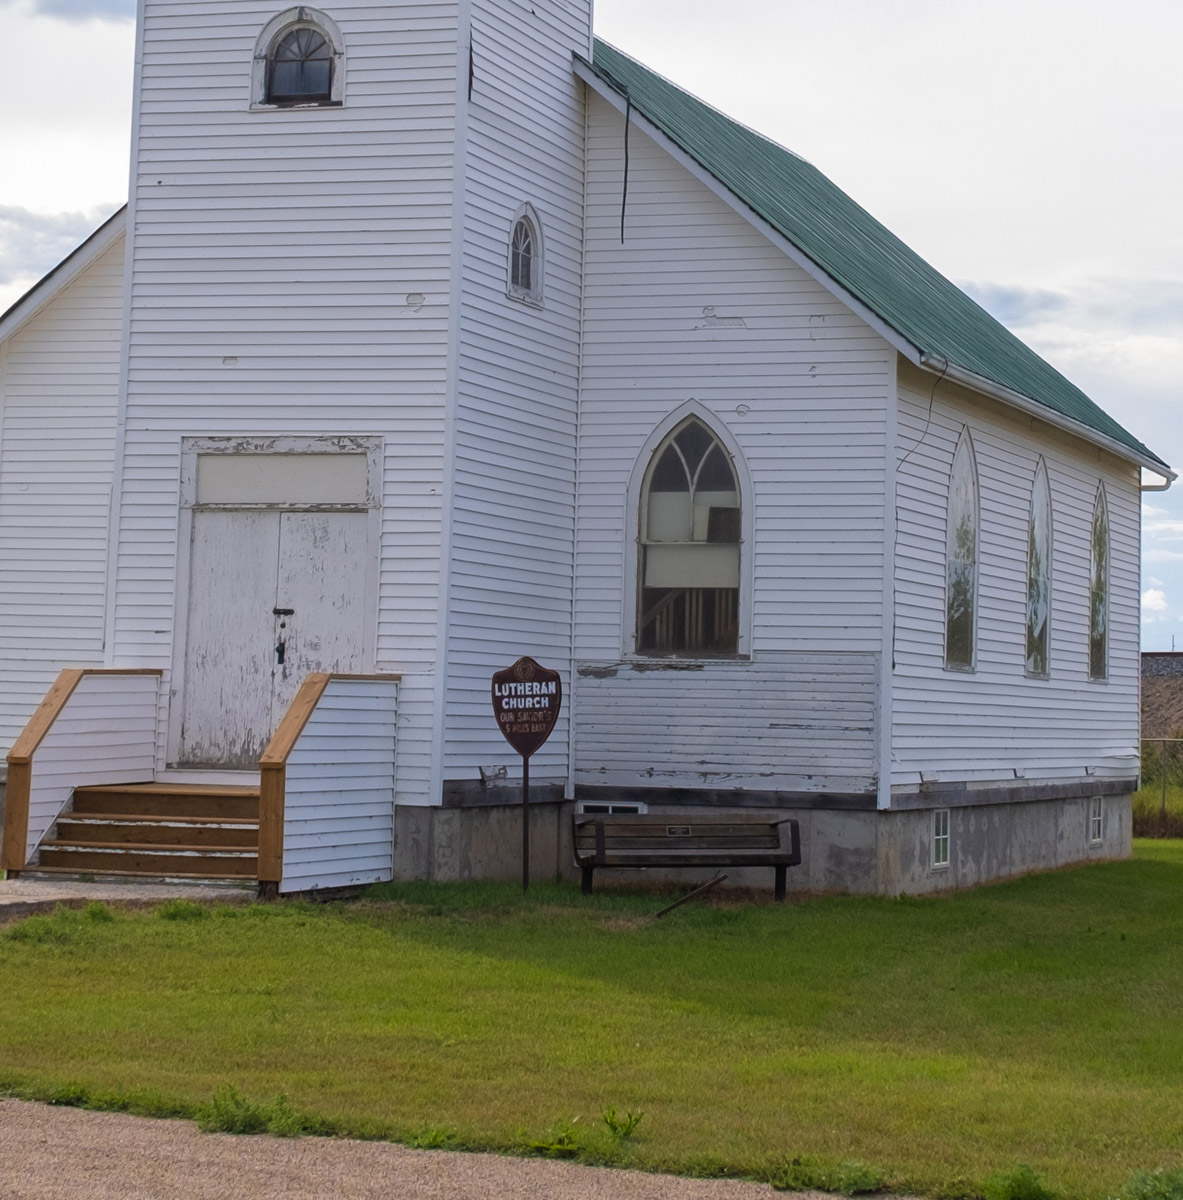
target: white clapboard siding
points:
(512, 558)
(790, 722)
(340, 791)
(59, 389)
(697, 304)
(290, 276)
(995, 723)
(105, 733)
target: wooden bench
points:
(649, 840)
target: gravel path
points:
(49, 1153)
(23, 897)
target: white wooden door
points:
(273, 595)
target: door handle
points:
(279, 653)
(284, 612)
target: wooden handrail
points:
(273, 768)
(20, 758)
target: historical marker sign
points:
(526, 702)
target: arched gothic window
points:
(299, 60)
(961, 557)
(301, 68)
(1099, 589)
(688, 588)
(1039, 573)
(525, 257)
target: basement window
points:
(940, 839)
(1096, 826)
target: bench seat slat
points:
(690, 858)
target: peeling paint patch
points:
(711, 320)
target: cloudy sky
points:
(1032, 150)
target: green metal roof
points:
(850, 246)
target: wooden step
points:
(90, 876)
(100, 819)
(141, 862)
(164, 800)
(151, 833)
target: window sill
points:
(258, 106)
(675, 656)
(530, 299)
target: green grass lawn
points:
(1036, 1021)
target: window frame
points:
(533, 295)
(963, 452)
(272, 34)
(631, 546)
(941, 839)
(1096, 826)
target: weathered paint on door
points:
(247, 569)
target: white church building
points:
(438, 333)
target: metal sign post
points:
(526, 702)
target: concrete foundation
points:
(872, 852)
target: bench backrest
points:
(604, 836)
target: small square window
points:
(940, 839)
(1096, 825)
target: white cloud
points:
(1154, 600)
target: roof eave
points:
(55, 281)
(1049, 416)
(603, 86)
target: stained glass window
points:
(1039, 572)
(1099, 590)
(961, 557)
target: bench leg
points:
(586, 886)
(781, 872)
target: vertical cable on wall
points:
(628, 120)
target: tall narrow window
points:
(1099, 590)
(1039, 573)
(961, 557)
(688, 598)
(525, 257)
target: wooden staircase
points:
(174, 830)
